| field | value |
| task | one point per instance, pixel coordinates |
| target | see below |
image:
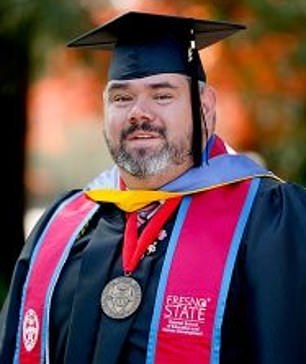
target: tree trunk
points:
(14, 62)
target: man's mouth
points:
(144, 132)
(142, 136)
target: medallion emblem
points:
(30, 329)
(121, 297)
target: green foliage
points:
(285, 152)
(54, 18)
(41, 25)
(279, 115)
(280, 16)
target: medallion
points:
(121, 297)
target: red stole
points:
(47, 261)
(186, 325)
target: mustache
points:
(145, 126)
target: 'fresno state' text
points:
(185, 314)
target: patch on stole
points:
(185, 314)
(30, 329)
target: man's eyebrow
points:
(117, 86)
(162, 84)
(123, 85)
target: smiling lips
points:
(140, 135)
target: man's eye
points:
(163, 97)
(121, 98)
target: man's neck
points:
(156, 181)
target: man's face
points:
(148, 123)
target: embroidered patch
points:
(30, 329)
(185, 315)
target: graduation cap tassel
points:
(197, 110)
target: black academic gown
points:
(265, 315)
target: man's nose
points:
(139, 112)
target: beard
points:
(149, 161)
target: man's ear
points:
(208, 101)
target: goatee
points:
(146, 162)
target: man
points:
(182, 252)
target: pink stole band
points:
(186, 325)
(48, 259)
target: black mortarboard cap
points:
(144, 44)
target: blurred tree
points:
(28, 29)
(14, 62)
(269, 68)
